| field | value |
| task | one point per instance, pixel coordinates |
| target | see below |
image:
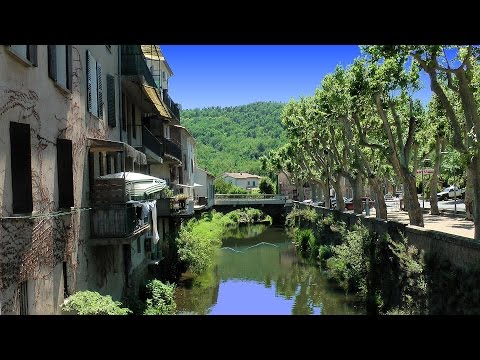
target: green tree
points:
(266, 186)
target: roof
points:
(241, 175)
(205, 171)
(111, 145)
(155, 53)
(184, 128)
(157, 101)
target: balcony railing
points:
(151, 142)
(133, 63)
(173, 106)
(173, 149)
(114, 221)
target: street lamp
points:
(325, 152)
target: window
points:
(248, 182)
(65, 173)
(112, 120)
(185, 161)
(139, 247)
(94, 87)
(253, 182)
(65, 281)
(26, 52)
(60, 65)
(134, 128)
(164, 76)
(23, 298)
(124, 112)
(21, 167)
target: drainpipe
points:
(120, 103)
(120, 88)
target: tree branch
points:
(363, 139)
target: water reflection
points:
(260, 274)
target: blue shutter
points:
(99, 91)
(112, 121)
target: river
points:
(258, 272)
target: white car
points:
(450, 192)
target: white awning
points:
(138, 184)
(189, 186)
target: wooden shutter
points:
(65, 173)
(89, 82)
(21, 167)
(69, 67)
(52, 61)
(112, 121)
(99, 91)
(32, 54)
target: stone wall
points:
(461, 251)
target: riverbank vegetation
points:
(158, 299)
(195, 245)
(386, 276)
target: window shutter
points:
(112, 121)
(52, 61)
(32, 51)
(65, 173)
(89, 82)
(21, 166)
(69, 67)
(99, 91)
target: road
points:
(447, 205)
(442, 205)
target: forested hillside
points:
(232, 139)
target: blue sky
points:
(230, 75)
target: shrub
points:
(92, 303)
(266, 186)
(325, 252)
(160, 298)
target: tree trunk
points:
(411, 199)
(469, 196)
(357, 194)
(474, 171)
(340, 205)
(314, 191)
(380, 206)
(301, 194)
(434, 180)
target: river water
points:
(258, 272)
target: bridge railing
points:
(249, 196)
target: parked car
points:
(450, 192)
(349, 203)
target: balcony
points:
(134, 64)
(172, 106)
(115, 224)
(171, 207)
(173, 149)
(148, 143)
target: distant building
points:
(243, 180)
(205, 194)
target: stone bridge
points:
(277, 206)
